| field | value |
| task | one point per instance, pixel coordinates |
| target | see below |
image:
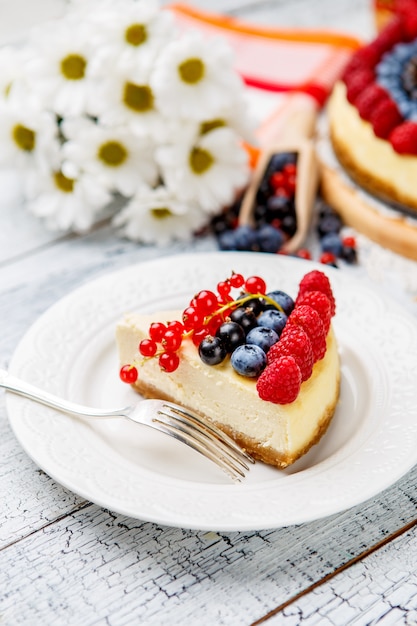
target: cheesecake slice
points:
(277, 434)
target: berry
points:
(192, 318)
(317, 281)
(349, 241)
(384, 118)
(356, 81)
(329, 223)
(212, 350)
(368, 99)
(156, 331)
(284, 301)
(294, 342)
(349, 255)
(232, 335)
(328, 258)
(310, 322)
(224, 288)
(245, 238)
(255, 284)
(270, 239)
(255, 304)
(262, 337)
(303, 253)
(404, 138)
(128, 374)
(147, 347)
(169, 361)
(331, 242)
(280, 381)
(177, 326)
(245, 317)
(236, 280)
(272, 318)
(206, 301)
(171, 340)
(248, 360)
(320, 303)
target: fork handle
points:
(22, 388)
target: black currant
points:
(212, 350)
(232, 335)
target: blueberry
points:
(248, 360)
(349, 255)
(231, 334)
(282, 299)
(331, 242)
(289, 225)
(272, 318)
(278, 205)
(226, 240)
(245, 237)
(212, 350)
(279, 160)
(262, 337)
(329, 224)
(270, 239)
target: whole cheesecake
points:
(273, 430)
(372, 113)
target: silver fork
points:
(168, 418)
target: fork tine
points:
(207, 426)
(201, 440)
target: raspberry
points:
(356, 81)
(368, 99)
(404, 138)
(294, 342)
(391, 35)
(280, 381)
(310, 322)
(317, 281)
(320, 303)
(384, 118)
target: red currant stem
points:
(241, 301)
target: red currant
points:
(172, 339)
(303, 253)
(290, 184)
(198, 335)
(169, 361)
(277, 179)
(147, 347)
(156, 331)
(236, 280)
(255, 284)
(281, 191)
(128, 374)
(206, 301)
(290, 169)
(214, 323)
(328, 258)
(224, 288)
(177, 326)
(192, 318)
(349, 242)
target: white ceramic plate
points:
(130, 469)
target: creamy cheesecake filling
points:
(370, 160)
(274, 433)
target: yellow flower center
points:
(112, 153)
(63, 183)
(206, 127)
(73, 67)
(161, 213)
(200, 160)
(136, 34)
(139, 98)
(24, 138)
(191, 71)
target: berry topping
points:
(169, 361)
(318, 301)
(384, 118)
(245, 316)
(310, 322)
(156, 331)
(369, 98)
(212, 350)
(272, 318)
(248, 360)
(282, 299)
(295, 342)
(404, 138)
(255, 284)
(148, 347)
(280, 381)
(317, 281)
(231, 334)
(262, 337)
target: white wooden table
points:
(66, 561)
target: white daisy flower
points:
(60, 67)
(121, 160)
(129, 99)
(209, 172)
(11, 68)
(158, 216)
(28, 134)
(65, 203)
(194, 78)
(130, 34)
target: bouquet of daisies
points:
(110, 110)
